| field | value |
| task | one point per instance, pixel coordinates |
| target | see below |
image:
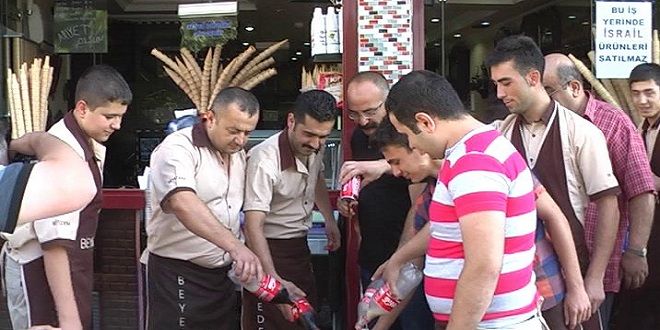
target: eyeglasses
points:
(552, 91)
(367, 114)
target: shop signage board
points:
(81, 26)
(623, 37)
(202, 32)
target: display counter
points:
(118, 275)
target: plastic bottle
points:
(331, 31)
(317, 32)
(269, 289)
(385, 299)
(304, 312)
(363, 305)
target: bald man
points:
(563, 82)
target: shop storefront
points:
(394, 37)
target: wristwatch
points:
(639, 253)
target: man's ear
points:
(575, 88)
(424, 122)
(533, 77)
(290, 121)
(81, 108)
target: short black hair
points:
(245, 100)
(644, 72)
(424, 91)
(524, 52)
(386, 135)
(317, 104)
(101, 84)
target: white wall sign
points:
(623, 37)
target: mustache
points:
(310, 147)
(368, 126)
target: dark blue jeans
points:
(416, 315)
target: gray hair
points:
(566, 73)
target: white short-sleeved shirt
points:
(186, 160)
(25, 243)
(282, 186)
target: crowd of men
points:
(541, 220)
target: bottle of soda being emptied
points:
(270, 290)
(363, 305)
(385, 299)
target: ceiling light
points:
(572, 17)
(437, 44)
(435, 20)
(294, 58)
(306, 43)
(249, 28)
(585, 23)
(226, 8)
(485, 23)
(548, 33)
(298, 53)
(457, 35)
(246, 44)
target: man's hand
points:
(346, 208)
(368, 170)
(334, 237)
(247, 263)
(294, 293)
(635, 269)
(287, 311)
(595, 291)
(577, 307)
(389, 271)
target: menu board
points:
(81, 26)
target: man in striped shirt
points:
(480, 239)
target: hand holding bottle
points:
(386, 298)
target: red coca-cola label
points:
(268, 288)
(366, 298)
(350, 190)
(302, 306)
(385, 298)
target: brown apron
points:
(552, 175)
(183, 295)
(292, 261)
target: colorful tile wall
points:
(385, 37)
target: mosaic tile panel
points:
(385, 37)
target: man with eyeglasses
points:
(563, 82)
(384, 199)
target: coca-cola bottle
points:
(385, 299)
(363, 305)
(268, 289)
(304, 312)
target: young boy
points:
(49, 264)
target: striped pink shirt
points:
(483, 172)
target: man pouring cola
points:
(284, 181)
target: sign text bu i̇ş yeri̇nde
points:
(623, 37)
